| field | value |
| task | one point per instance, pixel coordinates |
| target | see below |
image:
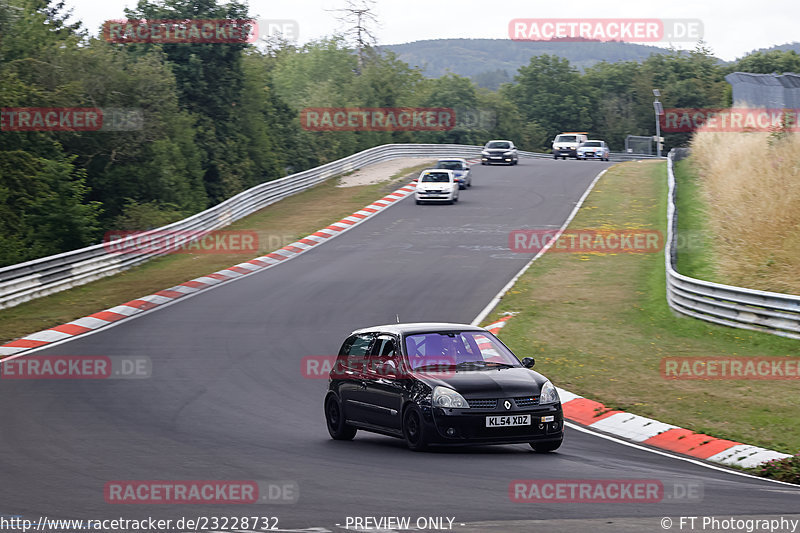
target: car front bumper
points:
(562, 152)
(444, 196)
(497, 158)
(592, 155)
(468, 426)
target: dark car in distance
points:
(499, 151)
(440, 384)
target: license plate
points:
(506, 421)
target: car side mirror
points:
(528, 362)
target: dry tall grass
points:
(751, 183)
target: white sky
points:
(731, 27)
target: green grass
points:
(694, 246)
(598, 325)
(277, 225)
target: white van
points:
(566, 144)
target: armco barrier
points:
(26, 281)
(738, 307)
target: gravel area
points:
(381, 171)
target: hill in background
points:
(781, 47)
(490, 62)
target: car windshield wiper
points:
(501, 365)
(437, 366)
(478, 364)
(484, 364)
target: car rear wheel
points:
(334, 417)
(544, 447)
(414, 430)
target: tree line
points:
(220, 118)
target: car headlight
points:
(450, 399)
(484, 152)
(549, 394)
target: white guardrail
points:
(33, 279)
(737, 307)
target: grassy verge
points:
(277, 225)
(694, 242)
(598, 325)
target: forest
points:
(218, 118)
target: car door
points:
(384, 392)
(352, 387)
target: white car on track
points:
(594, 149)
(436, 185)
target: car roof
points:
(436, 171)
(595, 141)
(498, 141)
(418, 327)
(451, 159)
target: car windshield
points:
(436, 177)
(566, 139)
(592, 143)
(450, 165)
(498, 144)
(468, 350)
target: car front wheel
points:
(544, 447)
(334, 417)
(414, 430)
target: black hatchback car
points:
(440, 384)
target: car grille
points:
(526, 401)
(482, 404)
(521, 402)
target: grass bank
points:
(749, 182)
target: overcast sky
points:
(731, 27)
